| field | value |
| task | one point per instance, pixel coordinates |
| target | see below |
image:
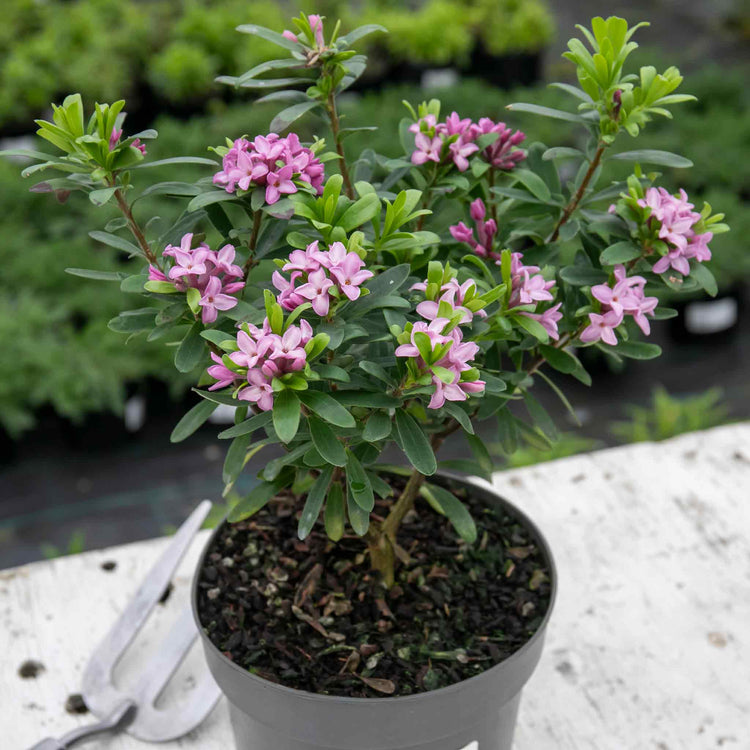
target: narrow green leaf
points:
(705, 278)
(540, 416)
(360, 212)
(638, 350)
(389, 281)
(326, 443)
(482, 455)
(620, 252)
(378, 427)
(653, 156)
(534, 327)
(580, 275)
(102, 196)
(415, 444)
(286, 414)
(455, 511)
(334, 515)
(328, 408)
(256, 499)
(535, 109)
(533, 183)
(314, 502)
(372, 400)
(559, 359)
(269, 35)
(460, 416)
(359, 518)
(248, 426)
(212, 196)
(120, 243)
(191, 350)
(289, 115)
(86, 273)
(191, 421)
(359, 483)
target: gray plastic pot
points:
(476, 714)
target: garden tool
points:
(133, 708)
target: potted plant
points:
(345, 308)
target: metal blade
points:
(97, 678)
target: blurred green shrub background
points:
(163, 56)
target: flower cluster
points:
(271, 162)
(114, 140)
(455, 139)
(212, 272)
(316, 26)
(320, 277)
(437, 347)
(676, 219)
(261, 356)
(486, 230)
(457, 295)
(626, 297)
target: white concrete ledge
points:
(649, 648)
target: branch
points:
(336, 128)
(135, 230)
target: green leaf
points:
(533, 183)
(653, 156)
(86, 273)
(248, 426)
(356, 34)
(359, 518)
(212, 196)
(620, 252)
(540, 416)
(120, 243)
(256, 499)
(559, 359)
(192, 420)
(133, 321)
(326, 443)
(638, 350)
(372, 400)
(234, 461)
(460, 416)
(377, 371)
(221, 397)
(289, 115)
(334, 515)
(102, 196)
(535, 109)
(482, 455)
(562, 152)
(314, 502)
(328, 408)
(415, 444)
(270, 36)
(580, 275)
(286, 414)
(534, 327)
(705, 278)
(273, 468)
(191, 350)
(449, 505)
(332, 372)
(378, 427)
(176, 160)
(389, 281)
(360, 212)
(359, 483)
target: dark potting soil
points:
(310, 615)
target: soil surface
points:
(311, 616)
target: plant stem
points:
(576, 199)
(135, 230)
(336, 128)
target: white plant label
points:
(471, 746)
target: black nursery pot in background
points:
(476, 714)
(710, 320)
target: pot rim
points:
(424, 697)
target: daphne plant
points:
(340, 314)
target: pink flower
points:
(214, 300)
(459, 151)
(433, 331)
(140, 146)
(289, 298)
(427, 149)
(224, 261)
(305, 261)
(187, 263)
(114, 138)
(279, 183)
(485, 229)
(549, 319)
(348, 275)
(316, 290)
(259, 391)
(221, 372)
(316, 24)
(676, 259)
(698, 247)
(602, 327)
(501, 154)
